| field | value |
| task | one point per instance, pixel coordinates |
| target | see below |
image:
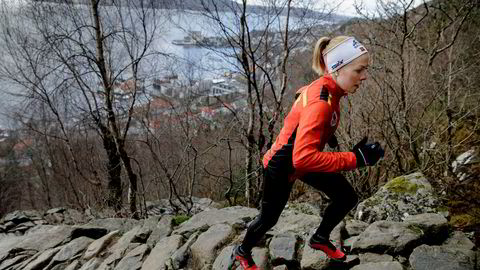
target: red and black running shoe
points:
(242, 259)
(323, 244)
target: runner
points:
(341, 63)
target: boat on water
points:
(195, 38)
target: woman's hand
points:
(367, 154)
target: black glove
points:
(332, 141)
(367, 153)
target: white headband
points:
(343, 53)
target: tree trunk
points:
(114, 168)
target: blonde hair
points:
(323, 44)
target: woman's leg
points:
(342, 195)
(275, 196)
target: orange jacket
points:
(314, 117)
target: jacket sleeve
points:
(310, 131)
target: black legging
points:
(277, 190)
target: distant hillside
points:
(221, 5)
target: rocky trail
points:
(400, 227)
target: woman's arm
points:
(311, 128)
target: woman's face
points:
(351, 76)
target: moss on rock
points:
(402, 185)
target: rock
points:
(313, 259)
(373, 258)
(434, 226)
(74, 217)
(161, 229)
(442, 258)
(282, 249)
(294, 222)
(58, 210)
(98, 245)
(73, 266)
(9, 263)
(22, 228)
(134, 259)
(223, 258)
(205, 248)
(459, 240)
(115, 224)
(161, 253)
(379, 266)
(236, 216)
(388, 237)
(196, 206)
(92, 264)
(280, 267)
(400, 197)
(9, 225)
(336, 234)
(125, 244)
(18, 217)
(355, 227)
(260, 256)
(42, 260)
(347, 243)
(72, 249)
(461, 164)
(179, 258)
(39, 238)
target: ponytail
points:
(318, 62)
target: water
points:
(187, 62)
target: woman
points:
(342, 63)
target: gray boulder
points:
(161, 253)
(179, 258)
(295, 222)
(260, 256)
(313, 259)
(129, 241)
(459, 240)
(355, 227)
(433, 226)
(71, 250)
(134, 259)
(39, 238)
(462, 164)
(379, 266)
(236, 216)
(42, 260)
(160, 226)
(442, 258)
(115, 224)
(209, 242)
(374, 258)
(388, 237)
(282, 249)
(399, 198)
(98, 245)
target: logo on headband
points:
(356, 44)
(334, 66)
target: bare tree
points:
(75, 58)
(261, 45)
